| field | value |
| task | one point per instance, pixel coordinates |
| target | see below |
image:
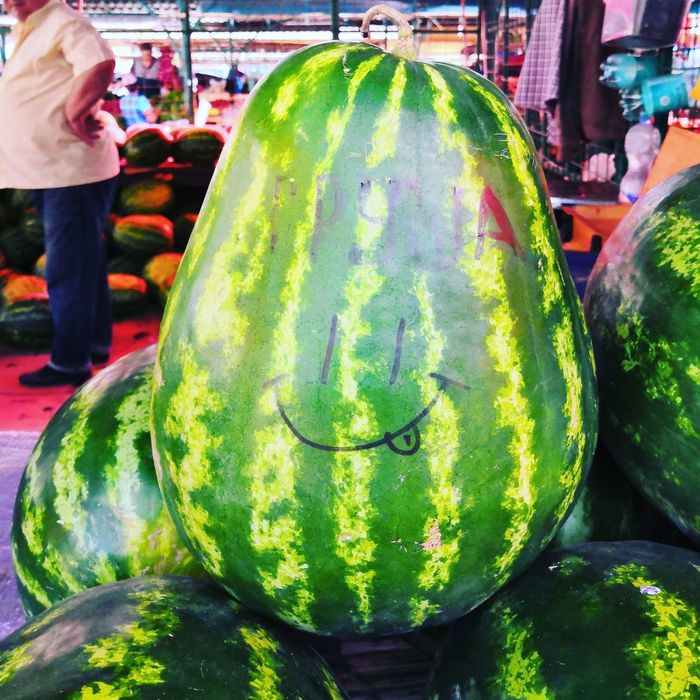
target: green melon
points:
(19, 202)
(375, 397)
(153, 638)
(610, 508)
(146, 197)
(143, 235)
(26, 322)
(128, 293)
(160, 270)
(21, 285)
(147, 147)
(643, 308)
(88, 510)
(198, 145)
(126, 265)
(33, 228)
(600, 620)
(19, 251)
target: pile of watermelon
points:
(373, 409)
(149, 146)
(145, 238)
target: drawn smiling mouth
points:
(409, 432)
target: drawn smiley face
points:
(404, 440)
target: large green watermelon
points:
(198, 145)
(599, 620)
(146, 197)
(610, 508)
(88, 509)
(154, 638)
(375, 398)
(128, 293)
(643, 309)
(26, 322)
(147, 147)
(143, 235)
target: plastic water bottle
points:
(641, 146)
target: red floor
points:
(31, 409)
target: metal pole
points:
(335, 19)
(187, 58)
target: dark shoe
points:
(100, 358)
(48, 376)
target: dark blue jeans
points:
(76, 270)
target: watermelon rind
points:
(161, 637)
(598, 620)
(88, 510)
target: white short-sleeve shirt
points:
(38, 149)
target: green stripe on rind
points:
(70, 485)
(263, 665)
(520, 673)
(189, 406)
(122, 476)
(218, 316)
(126, 653)
(308, 79)
(552, 282)
(386, 130)
(32, 520)
(13, 660)
(511, 403)
(291, 569)
(442, 530)
(668, 655)
(677, 248)
(352, 472)
(486, 276)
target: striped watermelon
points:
(170, 637)
(19, 251)
(143, 235)
(33, 228)
(147, 147)
(160, 270)
(198, 145)
(375, 399)
(19, 202)
(21, 285)
(128, 293)
(146, 197)
(26, 322)
(600, 620)
(125, 265)
(88, 510)
(609, 508)
(643, 309)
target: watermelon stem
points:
(404, 47)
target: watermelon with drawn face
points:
(374, 395)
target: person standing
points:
(135, 108)
(146, 68)
(52, 142)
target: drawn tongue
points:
(408, 442)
